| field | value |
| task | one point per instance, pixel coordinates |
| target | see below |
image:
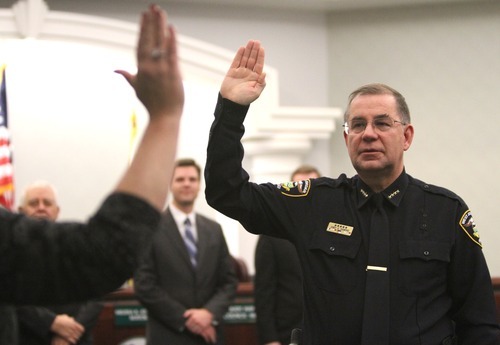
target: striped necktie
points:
(190, 241)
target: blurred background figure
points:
(53, 325)
(278, 282)
(39, 200)
(187, 280)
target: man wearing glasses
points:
(386, 258)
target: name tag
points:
(340, 229)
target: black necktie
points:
(190, 241)
(376, 308)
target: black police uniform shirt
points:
(440, 284)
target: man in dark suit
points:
(53, 325)
(278, 282)
(186, 287)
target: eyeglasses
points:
(380, 124)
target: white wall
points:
(288, 36)
(279, 31)
(446, 62)
(66, 125)
(444, 59)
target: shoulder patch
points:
(295, 189)
(467, 224)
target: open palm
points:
(245, 79)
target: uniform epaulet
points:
(437, 190)
(466, 222)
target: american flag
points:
(6, 169)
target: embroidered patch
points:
(468, 225)
(340, 229)
(295, 189)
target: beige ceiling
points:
(318, 5)
(305, 5)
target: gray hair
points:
(37, 184)
(381, 89)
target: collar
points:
(180, 216)
(393, 194)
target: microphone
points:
(295, 337)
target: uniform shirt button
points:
(426, 253)
(332, 249)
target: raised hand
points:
(245, 79)
(158, 82)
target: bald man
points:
(39, 200)
(56, 325)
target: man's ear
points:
(409, 132)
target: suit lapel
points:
(203, 242)
(170, 229)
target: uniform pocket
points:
(423, 266)
(333, 261)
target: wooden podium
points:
(122, 320)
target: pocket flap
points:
(425, 250)
(335, 244)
